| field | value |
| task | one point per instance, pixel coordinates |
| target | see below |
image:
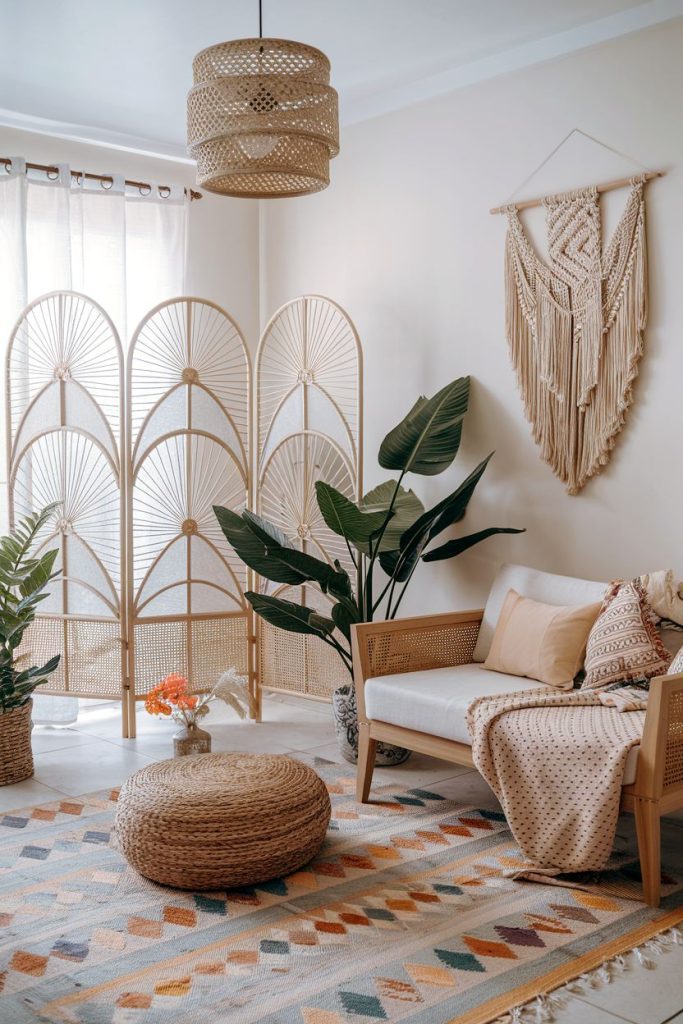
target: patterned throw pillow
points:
(677, 664)
(624, 644)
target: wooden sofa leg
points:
(649, 849)
(367, 748)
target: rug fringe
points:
(541, 1010)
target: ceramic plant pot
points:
(346, 728)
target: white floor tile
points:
(26, 794)
(86, 768)
(44, 739)
(575, 1011)
(644, 996)
(316, 706)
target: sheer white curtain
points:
(124, 249)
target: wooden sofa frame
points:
(440, 641)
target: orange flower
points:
(171, 693)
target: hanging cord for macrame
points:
(574, 131)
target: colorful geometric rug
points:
(405, 916)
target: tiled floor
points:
(91, 755)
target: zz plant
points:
(387, 532)
(23, 585)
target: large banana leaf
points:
(295, 618)
(311, 568)
(456, 547)
(268, 532)
(260, 546)
(344, 517)
(430, 524)
(427, 440)
(251, 546)
(407, 508)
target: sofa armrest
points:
(408, 645)
(660, 759)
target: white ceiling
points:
(117, 71)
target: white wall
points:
(223, 234)
(403, 239)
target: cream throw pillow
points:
(541, 641)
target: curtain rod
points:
(608, 186)
(80, 175)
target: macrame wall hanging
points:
(575, 324)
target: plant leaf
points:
(259, 544)
(389, 560)
(344, 517)
(431, 523)
(427, 440)
(407, 508)
(39, 575)
(344, 615)
(266, 531)
(321, 623)
(247, 540)
(311, 568)
(284, 614)
(340, 584)
(456, 547)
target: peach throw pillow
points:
(541, 641)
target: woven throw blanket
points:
(556, 761)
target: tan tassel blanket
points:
(556, 763)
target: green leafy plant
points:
(23, 585)
(388, 530)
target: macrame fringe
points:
(575, 329)
(543, 1008)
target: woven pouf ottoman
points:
(216, 821)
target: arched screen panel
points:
(308, 403)
(64, 441)
(188, 449)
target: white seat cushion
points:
(546, 587)
(435, 701)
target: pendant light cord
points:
(260, 19)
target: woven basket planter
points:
(16, 756)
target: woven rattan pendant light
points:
(262, 119)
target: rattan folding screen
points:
(149, 583)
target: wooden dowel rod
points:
(50, 168)
(607, 186)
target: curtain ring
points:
(52, 174)
(8, 166)
(104, 185)
(144, 190)
(164, 191)
(78, 176)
